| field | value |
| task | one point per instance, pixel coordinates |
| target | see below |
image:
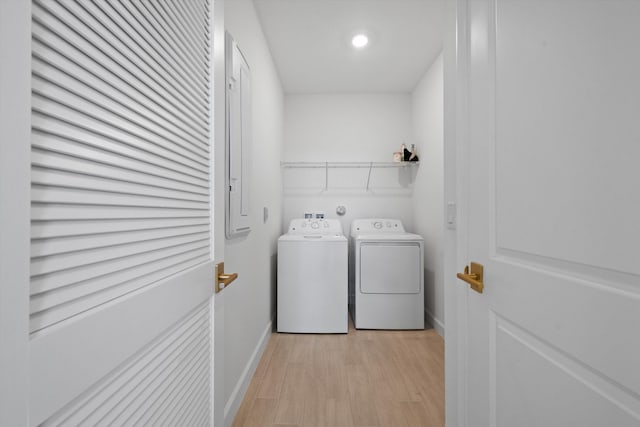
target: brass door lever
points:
(474, 277)
(223, 280)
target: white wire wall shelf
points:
(338, 165)
(348, 165)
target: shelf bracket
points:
(369, 176)
(326, 176)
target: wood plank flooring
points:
(363, 378)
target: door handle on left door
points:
(474, 277)
(223, 280)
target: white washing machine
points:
(386, 275)
(313, 277)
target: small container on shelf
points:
(413, 156)
(406, 154)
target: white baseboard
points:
(233, 404)
(435, 323)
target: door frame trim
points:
(218, 172)
(456, 189)
(15, 181)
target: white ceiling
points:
(310, 41)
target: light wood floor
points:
(363, 378)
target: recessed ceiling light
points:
(359, 40)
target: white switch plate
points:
(451, 216)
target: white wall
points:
(354, 128)
(370, 127)
(345, 127)
(250, 303)
(428, 125)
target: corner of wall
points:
(238, 393)
(250, 304)
(428, 202)
(434, 322)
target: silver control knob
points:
(377, 225)
(315, 225)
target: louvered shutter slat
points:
(50, 229)
(174, 369)
(120, 151)
(147, 82)
(96, 150)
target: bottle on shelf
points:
(413, 157)
(406, 154)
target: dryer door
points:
(390, 267)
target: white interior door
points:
(107, 304)
(550, 206)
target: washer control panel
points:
(377, 225)
(315, 226)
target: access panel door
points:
(390, 268)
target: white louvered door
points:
(121, 270)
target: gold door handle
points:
(222, 279)
(473, 278)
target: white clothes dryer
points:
(313, 277)
(386, 275)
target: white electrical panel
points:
(238, 135)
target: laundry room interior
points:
(325, 127)
(239, 213)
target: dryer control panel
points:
(377, 225)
